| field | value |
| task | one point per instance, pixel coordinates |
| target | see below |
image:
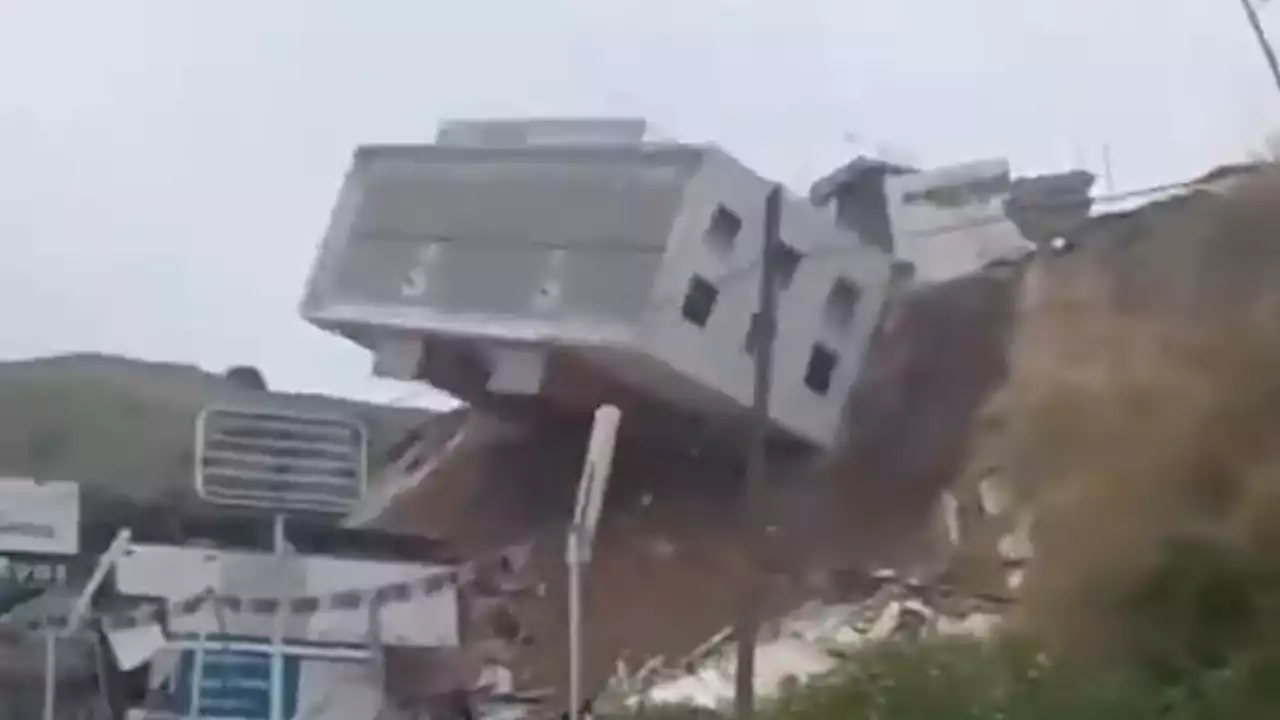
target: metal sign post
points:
(277, 629)
(50, 673)
(75, 619)
(586, 515)
(197, 677)
(282, 462)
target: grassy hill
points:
(125, 428)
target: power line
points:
(1264, 44)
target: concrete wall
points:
(594, 247)
(951, 221)
(507, 243)
(716, 353)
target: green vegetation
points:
(954, 679)
(1195, 640)
(1198, 645)
(125, 429)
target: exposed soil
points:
(663, 576)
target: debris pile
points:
(931, 480)
(667, 558)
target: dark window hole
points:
(842, 305)
(723, 230)
(817, 373)
(786, 260)
(699, 301)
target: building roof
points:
(854, 171)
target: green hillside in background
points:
(125, 429)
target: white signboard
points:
(39, 517)
(329, 598)
(263, 458)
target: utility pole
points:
(1260, 33)
(763, 334)
(592, 486)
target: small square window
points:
(821, 366)
(842, 305)
(699, 301)
(723, 230)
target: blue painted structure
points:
(236, 684)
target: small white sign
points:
(39, 517)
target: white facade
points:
(585, 270)
(39, 516)
(416, 618)
(951, 221)
(331, 648)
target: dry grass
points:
(1141, 397)
(1141, 418)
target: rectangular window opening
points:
(699, 301)
(820, 368)
(842, 305)
(723, 230)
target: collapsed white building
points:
(568, 263)
(577, 263)
(539, 268)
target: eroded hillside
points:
(1123, 388)
(1139, 419)
(663, 574)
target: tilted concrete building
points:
(577, 262)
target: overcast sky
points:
(167, 166)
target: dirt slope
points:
(661, 581)
(1141, 407)
(1121, 351)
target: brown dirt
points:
(662, 577)
(1142, 405)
